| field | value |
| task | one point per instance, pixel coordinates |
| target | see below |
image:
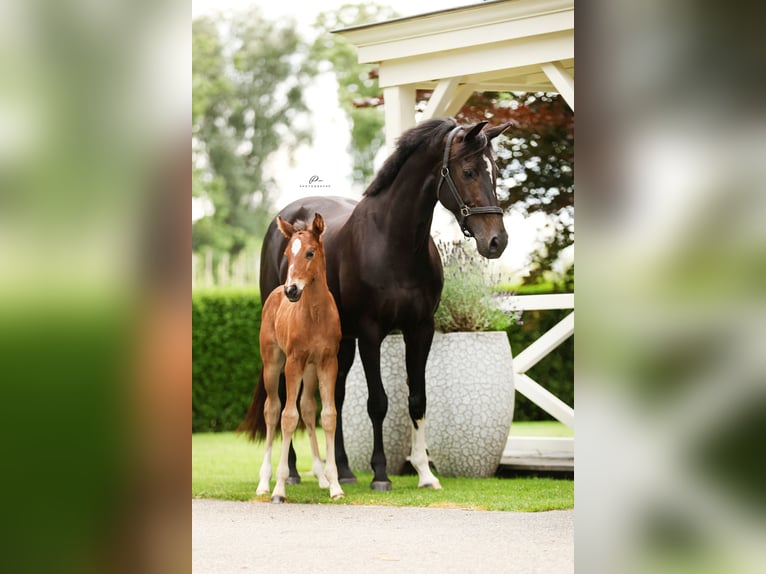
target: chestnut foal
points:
(300, 333)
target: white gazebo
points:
(499, 45)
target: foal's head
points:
(305, 254)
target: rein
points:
(464, 210)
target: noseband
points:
(463, 209)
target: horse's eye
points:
(310, 254)
(468, 173)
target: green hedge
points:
(225, 356)
(555, 372)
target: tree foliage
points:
(536, 160)
(358, 91)
(248, 75)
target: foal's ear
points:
(494, 131)
(318, 225)
(475, 130)
(286, 228)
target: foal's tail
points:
(254, 424)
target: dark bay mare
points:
(384, 270)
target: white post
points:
(400, 112)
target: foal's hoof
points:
(435, 485)
(382, 485)
(277, 499)
(293, 479)
(338, 496)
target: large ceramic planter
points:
(470, 391)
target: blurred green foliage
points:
(357, 83)
(248, 75)
(226, 357)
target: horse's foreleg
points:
(327, 375)
(418, 344)
(346, 356)
(309, 415)
(293, 373)
(377, 407)
(294, 477)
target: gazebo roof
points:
(499, 45)
(502, 45)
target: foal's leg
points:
(327, 374)
(272, 367)
(377, 407)
(309, 415)
(418, 343)
(293, 374)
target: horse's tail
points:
(254, 424)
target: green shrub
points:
(226, 359)
(554, 372)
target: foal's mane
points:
(408, 143)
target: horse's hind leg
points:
(309, 414)
(293, 373)
(346, 356)
(418, 343)
(327, 376)
(377, 407)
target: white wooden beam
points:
(440, 98)
(533, 50)
(399, 111)
(539, 302)
(459, 97)
(552, 338)
(546, 400)
(560, 78)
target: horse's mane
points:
(425, 132)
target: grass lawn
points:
(225, 466)
(541, 428)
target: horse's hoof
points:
(277, 499)
(382, 485)
(293, 480)
(338, 496)
(261, 492)
(345, 476)
(434, 485)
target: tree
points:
(247, 102)
(358, 91)
(536, 160)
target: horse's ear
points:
(475, 130)
(286, 228)
(494, 131)
(318, 225)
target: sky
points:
(327, 156)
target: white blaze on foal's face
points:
(295, 248)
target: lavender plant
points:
(469, 298)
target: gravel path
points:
(241, 537)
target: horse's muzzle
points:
(293, 293)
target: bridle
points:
(464, 210)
